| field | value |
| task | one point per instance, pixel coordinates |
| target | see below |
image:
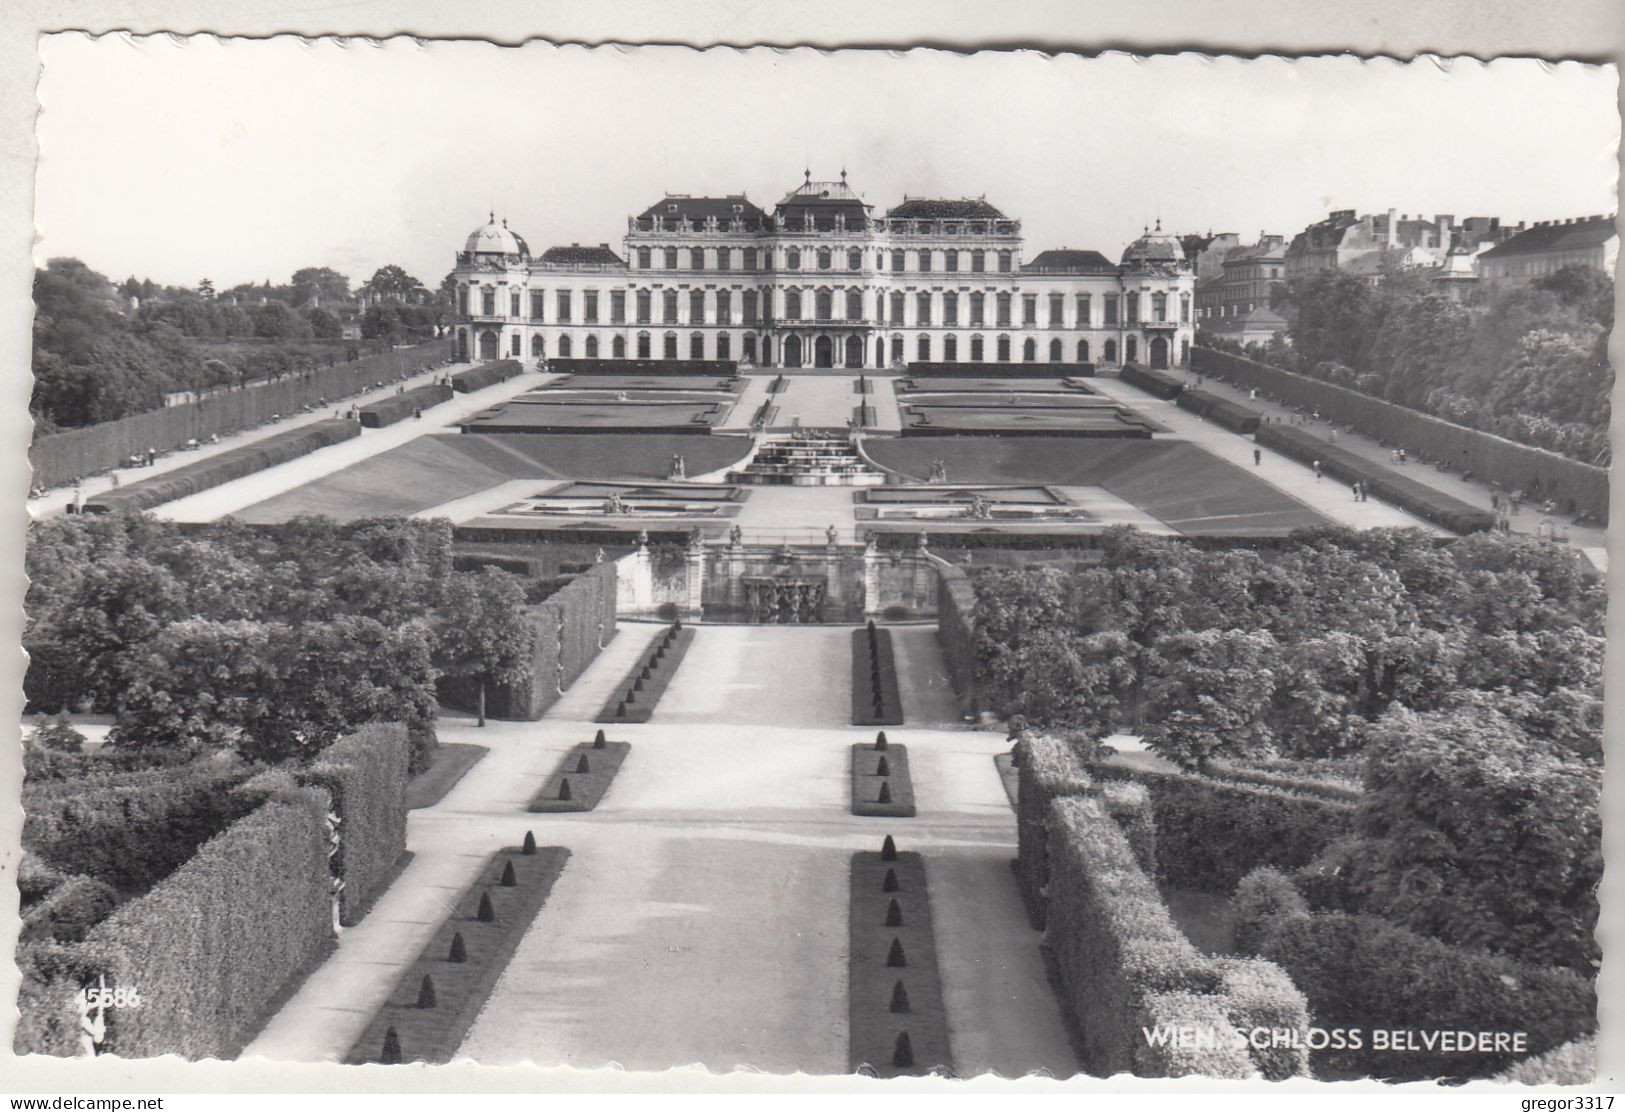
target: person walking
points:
(1258, 457)
(1356, 488)
(1316, 466)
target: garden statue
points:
(920, 541)
(615, 504)
(736, 536)
(829, 536)
(679, 469)
(598, 557)
(643, 538)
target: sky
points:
(244, 160)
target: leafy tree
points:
(58, 734)
(319, 286)
(323, 325)
(392, 283)
(274, 320)
(482, 630)
(205, 288)
(1208, 695)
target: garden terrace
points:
(583, 775)
(216, 470)
(409, 404)
(429, 1026)
(876, 700)
(695, 419)
(881, 784)
(640, 691)
(1008, 419)
(1049, 387)
(1000, 370)
(716, 368)
(894, 989)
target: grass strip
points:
(874, 768)
(876, 700)
(451, 762)
(586, 788)
(640, 690)
(897, 1024)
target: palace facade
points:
(822, 281)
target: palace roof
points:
(1065, 260)
(1556, 235)
(577, 255)
(929, 208)
(674, 208)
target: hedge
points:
(75, 906)
(1221, 411)
(1361, 971)
(1000, 370)
(1494, 458)
(41, 764)
(1286, 779)
(47, 999)
(131, 830)
(1572, 1063)
(486, 374)
(211, 947)
(1166, 387)
(956, 633)
(1379, 479)
(389, 411)
(365, 775)
(720, 368)
(1210, 832)
(1123, 966)
(56, 458)
(235, 463)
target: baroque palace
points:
(824, 282)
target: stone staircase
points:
(807, 459)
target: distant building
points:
(1549, 246)
(1366, 244)
(1207, 253)
(1235, 304)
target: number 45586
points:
(111, 997)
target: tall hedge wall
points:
(956, 633)
(387, 411)
(1210, 832)
(486, 374)
(58, 457)
(212, 471)
(213, 945)
(1361, 971)
(1515, 466)
(1221, 411)
(365, 774)
(1385, 482)
(1124, 966)
(1164, 386)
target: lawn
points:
(588, 769)
(451, 761)
(874, 768)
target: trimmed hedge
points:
(639, 691)
(1000, 370)
(486, 374)
(47, 998)
(1572, 1063)
(214, 471)
(210, 948)
(75, 906)
(365, 776)
(41, 764)
(1383, 481)
(131, 830)
(1361, 971)
(401, 406)
(1493, 458)
(1160, 385)
(956, 633)
(1210, 832)
(1285, 779)
(1221, 411)
(720, 368)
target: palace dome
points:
(1155, 248)
(496, 239)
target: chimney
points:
(1393, 227)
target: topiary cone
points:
(885, 792)
(459, 952)
(880, 740)
(890, 883)
(899, 999)
(582, 765)
(882, 767)
(894, 915)
(903, 1056)
(509, 880)
(598, 740)
(564, 788)
(631, 695)
(620, 710)
(426, 992)
(637, 684)
(488, 914)
(529, 848)
(888, 849)
(391, 1053)
(894, 956)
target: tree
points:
(482, 630)
(319, 286)
(323, 325)
(274, 320)
(205, 288)
(1208, 695)
(392, 283)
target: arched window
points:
(670, 306)
(516, 346)
(854, 259)
(592, 347)
(1083, 351)
(725, 309)
(1111, 352)
(792, 258)
(923, 308)
(1055, 352)
(950, 348)
(696, 346)
(854, 304)
(977, 354)
(1159, 306)
(950, 308)
(697, 258)
(538, 346)
(643, 346)
(1029, 350)
(564, 346)
(1131, 350)
(1004, 349)
(823, 258)
(696, 306)
(897, 308)
(723, 346)
(617, 347)
(897, 350)
(825, 305)
(923, 347)
(897, 264)
(792, 304)
(750, 348)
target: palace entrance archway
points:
(823, 352)
(792, 351)
(854, 352)
(1159, 354)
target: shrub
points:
(1260, 996)
(36, 879)
(1212, 1052)
(223, 468)
(213, 945)
(1572, 1063)
(1210, 832)
(1261, 897)
(1166, 387)
(49, 764)
(401, 406)
(131, 830)
(57, 735)
(486, 374)
(47, 999)
(365, 775)
(1221, 411)
(69, 911)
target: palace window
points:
(824, 303)
(750, 258)
(1111, 308)
(1131, 349)
(617, 347)
(978, 309)
(696, 306)
(750, 306)
(562, 304)
(723, 346)
(854, 259)
(923, 308)
(1055, 352)
(538, 302)
(488, 302)
(792, 258)
(950, 262)
(750, 349)
(925, 262)
(670, 346)
(725, 256)
(643, 345)
(976, 352)
(564, 346)
(1029, 309)
(792, 304)
(1085, 313)
(1057, 311)
(643, 258)
(589, 306)
(513, 304)
(617, 306)
(950, 347)
(696, 258)
(897, 308)
(897, 264)
(824, 258)
(950, 308)
(1005, 259)
(645, 308)
(538, 346)
(1159, 306)
(897, 350)
(1132, 307)
(854, 304)
(670, 307)
(978, 262)
(592, 347)
(671, 258)
(1004, 310)
(1004, 349)
(1029, 350)
(515, 346)
(923, 349)
(696, 346)
(1184, 308)
(1111, 352)
(725, 309)
(1083, 351)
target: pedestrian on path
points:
(1258, 457)
(1356, 488)
(1316, 466)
